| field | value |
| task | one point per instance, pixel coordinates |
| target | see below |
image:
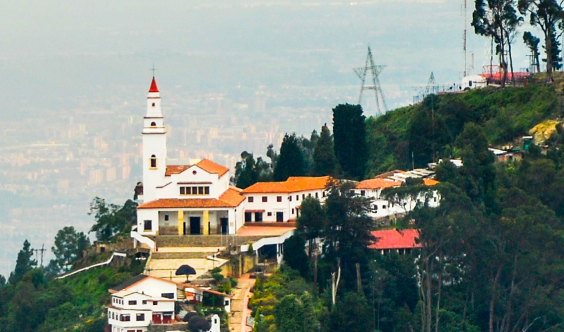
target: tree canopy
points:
(349, 134)
(69, 246)
(24, 263)
(324, 160)
(290, 162)
(112, 220)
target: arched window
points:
(153, 161)
(153, 124)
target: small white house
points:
(474, 81)
(381, 206)
(141, 301)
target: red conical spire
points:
(154, 86)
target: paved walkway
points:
(239, 305)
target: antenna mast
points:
(42, 250)
(376, 70)
(464, 48)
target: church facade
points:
(192, 199)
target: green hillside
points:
(76, 303)
(505, 115)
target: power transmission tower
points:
(376, 70)
(42, 250)
(431, 88)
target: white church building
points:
(197, 199)
(182, 199)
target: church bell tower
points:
(154, 144)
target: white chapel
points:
(192, 199)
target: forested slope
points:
(399, 135)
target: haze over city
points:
(233, 76)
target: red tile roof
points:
(230, 198)
(377, 183)
(205, 164)
(176, 169)
(293, 184)
(211, 167)
(430, 182)
(395, 239)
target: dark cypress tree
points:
(290, 161)
(295, 255)
(349, 132)
(324, 160)
(24, 263)
(245, 171)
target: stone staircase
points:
(180, 255)
(204, 240)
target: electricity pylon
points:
(376, 70)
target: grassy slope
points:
(504, 114)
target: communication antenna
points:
(376, 70)
(464, 37)
(42, 250)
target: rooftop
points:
(377, 183)
(230, 198)
(395, 239)
(133, 281)
(205, 164)
(293, 184)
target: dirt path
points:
(239, 304)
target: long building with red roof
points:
(402, 241)
(280, 201)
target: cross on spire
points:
(153, 69)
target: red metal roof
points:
(154, 86)
(395, 239)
